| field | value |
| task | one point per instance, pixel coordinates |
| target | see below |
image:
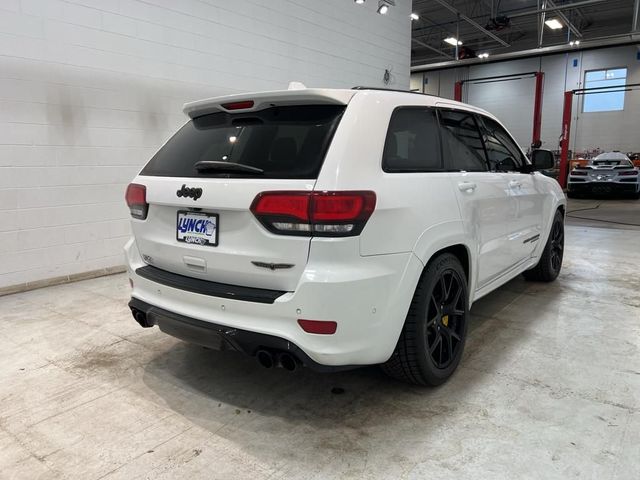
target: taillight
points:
(627, 173)
(578, 172)
(322, 214)
(137, 200)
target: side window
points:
(461, 141)
(503, 153)
(413, 141)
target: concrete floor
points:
(549, 387)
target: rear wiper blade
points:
(211, 165)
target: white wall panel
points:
(512, 101)
(89, 89)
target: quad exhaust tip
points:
(283, 360)
(140, 317)
(265, 358)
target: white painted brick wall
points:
(89, 89)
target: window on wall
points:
(608, 100)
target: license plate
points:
(198, 228)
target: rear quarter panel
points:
(409, 206)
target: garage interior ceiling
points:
(473, 22)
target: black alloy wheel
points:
(446, 317)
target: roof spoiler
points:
(297, 94)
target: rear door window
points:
(503, 153)
(461, 140)
(283, 142)
(413, 141)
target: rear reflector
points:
(136, 197)
(320, 327)
(238, 105)
(328, 214)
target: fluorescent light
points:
(359, 2)
(452, 41)
(553, 24)
(414, 16)
(383, 8)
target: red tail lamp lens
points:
(328, 214)
(287, 204)
(320, 327)
(136, 197)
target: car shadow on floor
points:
(214, 389)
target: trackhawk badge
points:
(273, 266)
(185, 191)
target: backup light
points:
(553, 24)
(452, 41)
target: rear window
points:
(284, 142)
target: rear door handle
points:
(467, 186)
(515, 184)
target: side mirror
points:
(542, 160)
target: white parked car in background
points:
(608, 173)
(337, 228)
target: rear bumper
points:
(368, 297)
(603, 187)
(221, 337)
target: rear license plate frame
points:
(206, 215)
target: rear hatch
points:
(200, 187)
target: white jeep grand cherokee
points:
(337, 228)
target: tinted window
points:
(285, 142)
(502, 152)
(462, 142)
(413, 142)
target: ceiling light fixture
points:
(359, 2)
(452, 41)
(553, 24)
(383, 8)
(574, 43)
(483, 55)
(414, 16)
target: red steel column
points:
(564, 142)
(537, 111)
(457, 92)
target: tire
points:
(550, 263)
(433, 337)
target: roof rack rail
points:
(360, 87)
